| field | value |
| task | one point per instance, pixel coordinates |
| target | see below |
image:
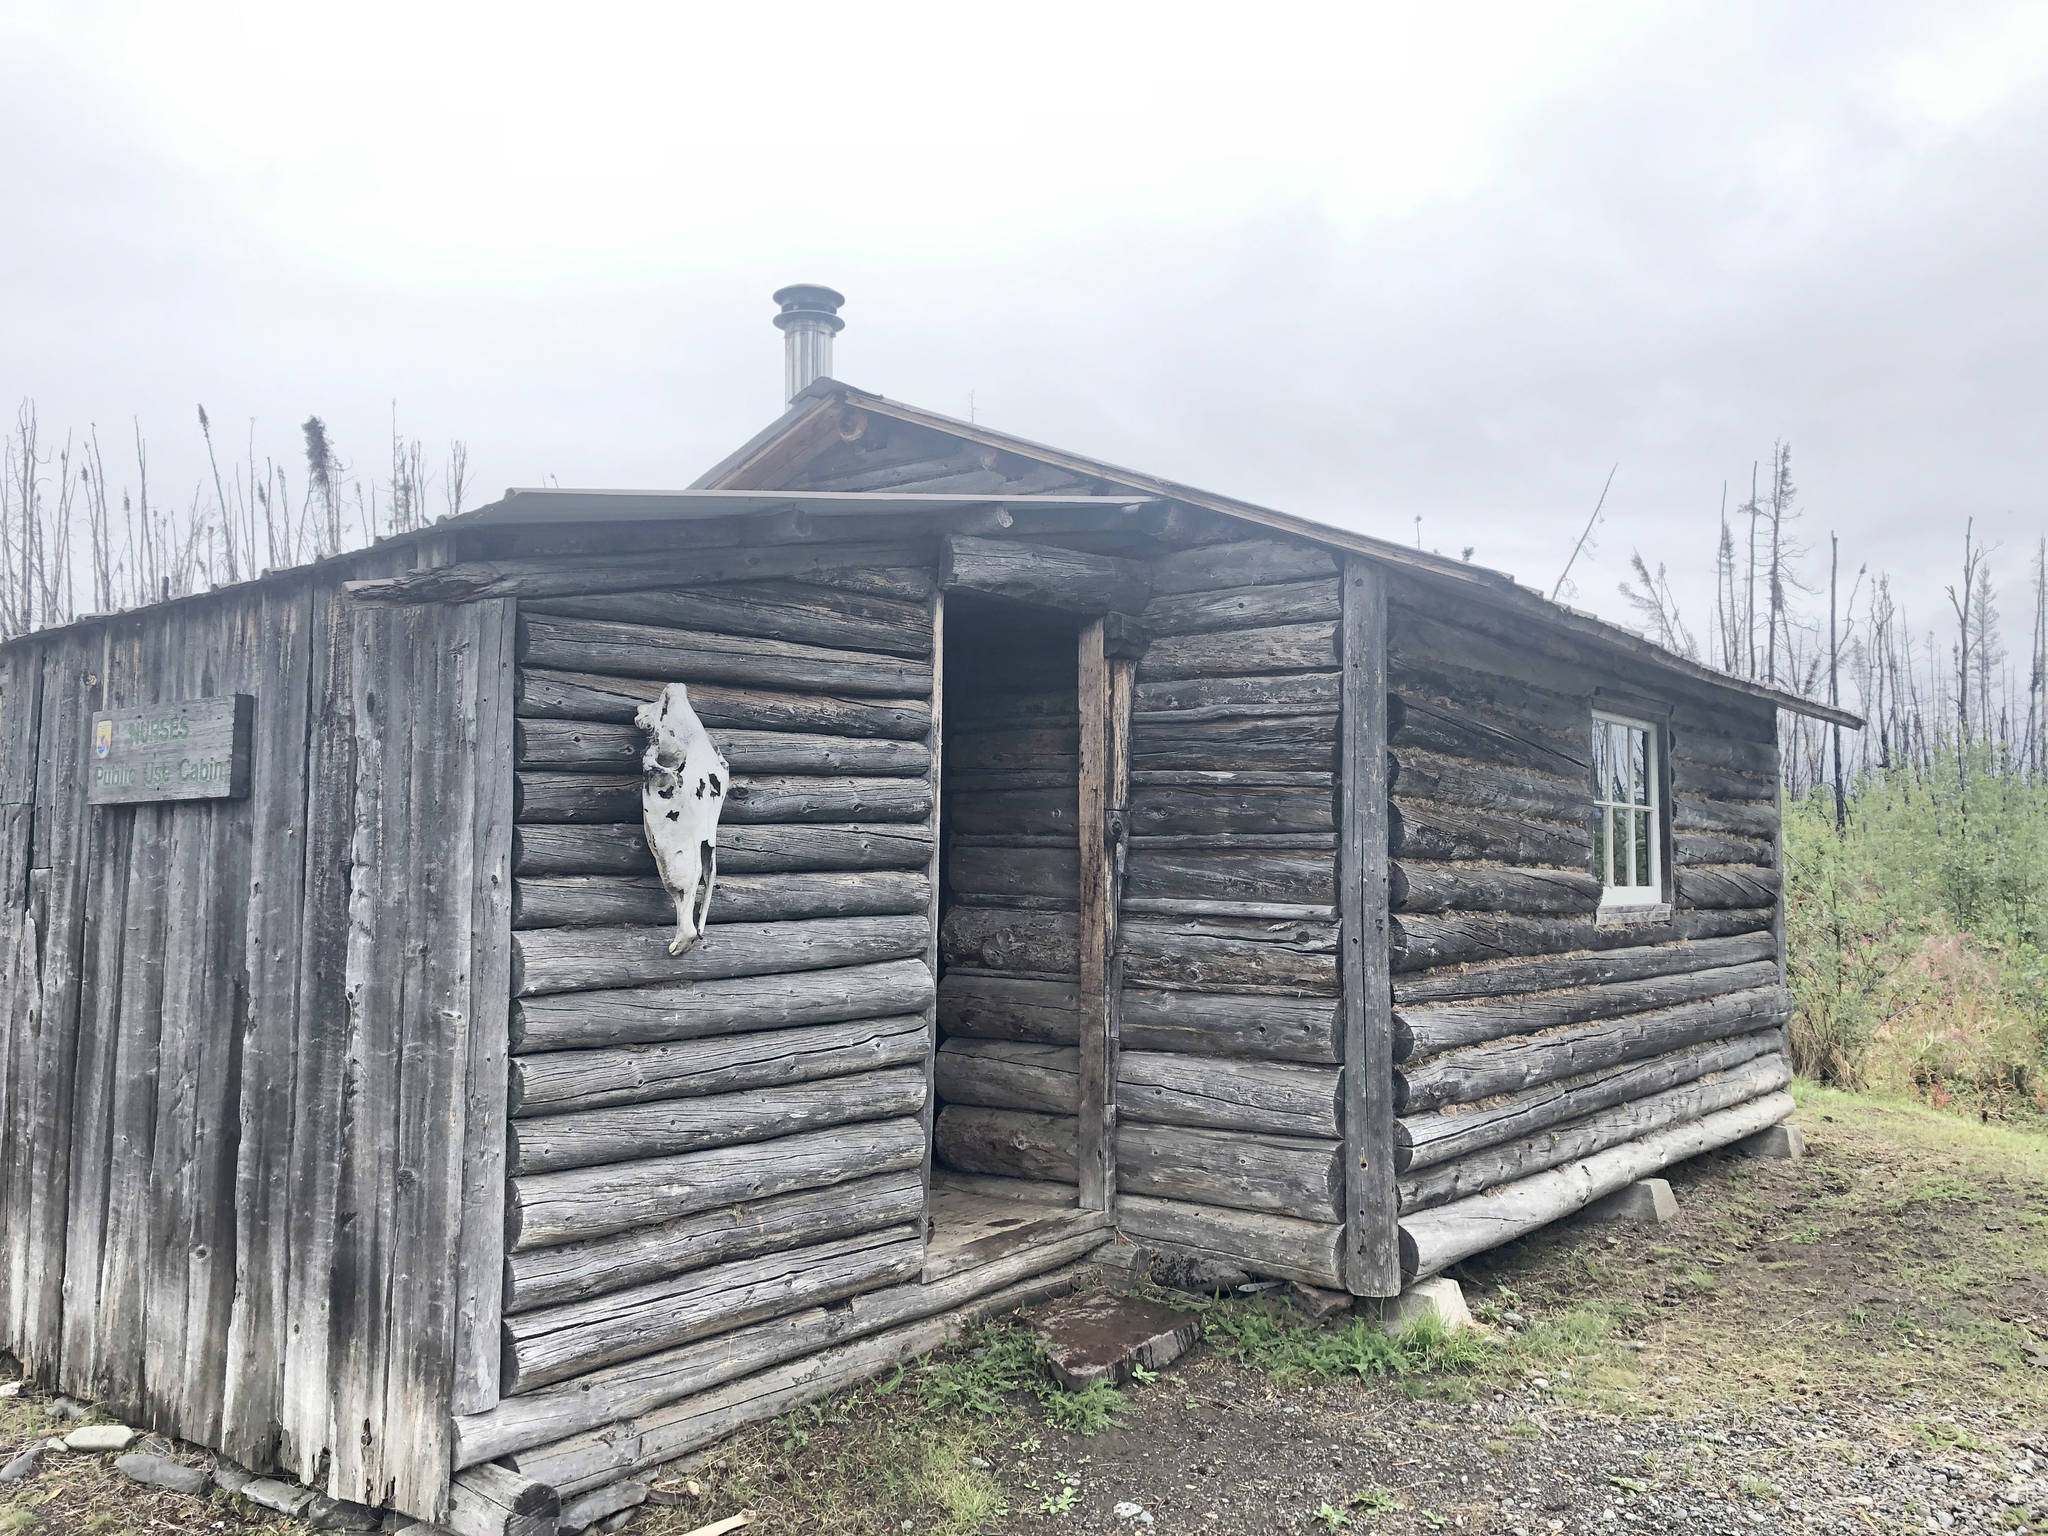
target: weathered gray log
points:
(695, 1010)
(1231, 875)
(620, 848)
(1297, 602)
(596, 746)
(1493, 888)
(554, 1082)
(1421, 829)
(495, 1501)
(1554, 973)
(1239, 842)
(598, 797)
(1241, 652)
(1286, 1176)
(1295, 958)
(548, 1277)
(549, 695)
(665, 1127)
(1423, 941)
(1281, 1246)
(586, 959)
(1745, 818)
(1458, 729)
(1501, 1164)
(983, 782)
(1752, 757)
(1261, 1027)
(1298, 743)
(1222, 809)
(573, 901)
(1721, 848)
(1008, 1074)
(1228, 698)
(986, 869)
(559, 1342)
(1017, 813)
(1426, 676)
(1456, 781)
(1269, 1098)
(1475, 1072)
(1707, 886)
(1002, 706)
(775, 610)
(1427, 1029)
(545, 1209)
(1255, 911)
(1432, 1241)
(1689, 777)
(1015, 941)
(1011, 1142)
(1044, 575)
(696, 656)
(577, 575)
(1248, 562)
(979, 1005)
(1010, 747)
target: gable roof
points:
(811, 422)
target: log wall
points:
(1529, 1032)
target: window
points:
(1628, 843)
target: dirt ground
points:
(1856, 1342)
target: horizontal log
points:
(1021, 747)
(1427, 1029)
(1721, 848)
(697, 656)
(596, 746)
(1297, 959)
(1228, 698)
(1694, 778)
(553, 1082)
(1241, 652)
(1475, 1072)
(714, 1007)
(543, 1210)
(1280, 1246)
(774, 610)
(665, 1127)
(989, 870)
(1455, 781)
(1238, 842)
(1421, 829)
(1458, 730)
(570, 901)
(1209, 810)
(1006, 780)
(587, 959)
(1043, 575)
(1552, 973)
(620, 848)
(1707, 886)
(1297, 743)
(1753, 757)
(1295, 602)
(1257, 1026)
(548, 1277)
(1016, 813)
(1745, 818)
(495, 1501)
(1433, 1240)
(1231, 875)
(1269, 1098)
(595, 797)
(978, 1005)
(1422, 941)
(557, 1343)
(1493, 888)
(1286, 1176)
(551, 695)
(1001, 705)
(1482, 1170)
(1008, 1074)
(1006, 939)
(1248, 562)
(1426, 676)
(1255, 911)
(1011, 1142)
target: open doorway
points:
(1008, 1081)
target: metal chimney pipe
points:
(809, 319)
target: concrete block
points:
(1441, 1298)
(1645, 1203)
(1784, 1143)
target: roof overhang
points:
(553, 506)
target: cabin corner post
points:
(1105, 702)
(1372, 1265)
(935, 757)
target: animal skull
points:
(682, 789)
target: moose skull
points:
(682, 789)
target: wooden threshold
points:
(972, 1226)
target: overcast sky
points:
(1344, 261)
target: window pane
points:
(1639, 765)
(1599, 758)
(1617, 762)
(1642, 842)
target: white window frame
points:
(1628, 800)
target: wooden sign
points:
(189, 749)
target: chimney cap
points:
(811, 303)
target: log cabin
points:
(1100, 855)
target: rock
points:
(1101, 1338)
(1645, 1203)
(1196, 1275)
(141, 1467)
(602, 1504)
(325, 1514)
(273, 1493)
(100, 1438)
(1441, 1298)
(1137, 1513)
(230, 1478)
(1318, 1303)
(67, 1408)
(619, 1521)
(1781, 1143)
(10, 1389)
(23, 1466)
